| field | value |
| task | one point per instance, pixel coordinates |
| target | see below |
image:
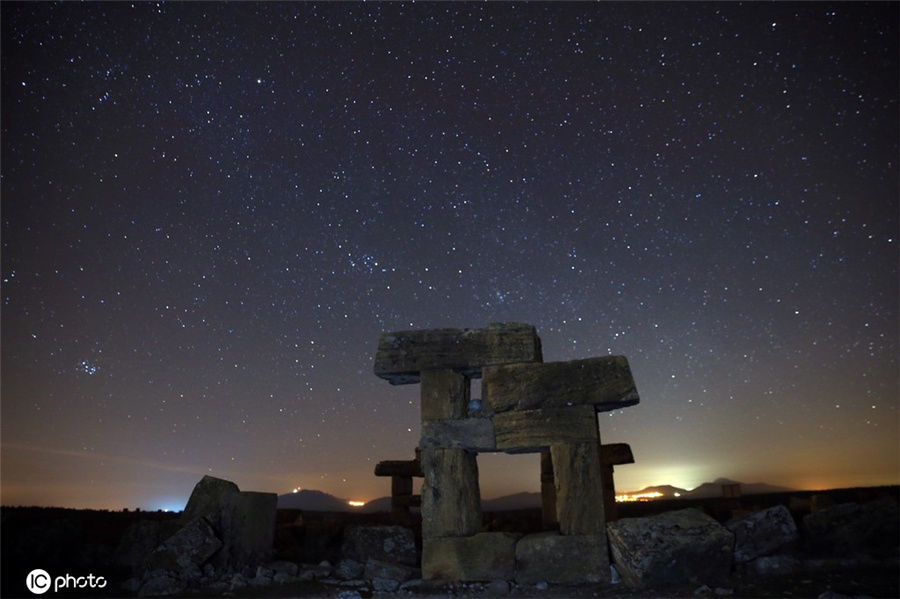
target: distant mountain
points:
(668, 491)
(713, 489)
(313, 501)
(517, 501)
(382, 504)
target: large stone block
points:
(207, 499)
(683, 548)
(485, 556)
(402, 355)
(579, 488)
(529, 430)
(395, 544)
(444, 394)
(247, 529)
(476, 434)
(451, 501)
(605, 383)
(561, 559)
(616, 454)
(762, 533)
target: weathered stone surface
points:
(548, 493)
(402, 355)
(561, 559)
(382, 543)
(376, 569)
(247, 529)
(484, 556)
(762, 533)
(854, 530)
(539, 429)
(476, 434)
(451, 501)
(188, 548)
(444, 394)
(615, 454)
(680, 548)
(207, 499)
(605, 383)
(579, 488)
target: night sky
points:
(210, 213)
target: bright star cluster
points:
(211, 211)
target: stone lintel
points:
(476, 434)
(451, 500)
(399, 468)
(534, 430)
(605, 383)
(579, 488)
(484, 556)
(402, 355)
(615, 454)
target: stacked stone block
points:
(529, 406)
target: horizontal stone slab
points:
(402, 355)
(476, 434)
(484, 556)
(605, 383)
(614, 454)
(562, 559)
(530, 430)
(398, 468)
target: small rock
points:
(497, 588)
(702, 590)
(721, 592)
(238, 581)
(774, 565)
(160, 584)
(614, 577)
(348, 595)
(385, 585)
(348, 569)
(263, 572)
(541, 586)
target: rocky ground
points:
(843, 544)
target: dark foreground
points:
(80, 551)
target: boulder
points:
(604, 383)
(762, 533)
(186, 550)
(402, 355)
(376, 569)
(679, 548)
(854, 530)
(484, 556)
(207, 500)
(247, 529)
(383, 543)
(550, 557)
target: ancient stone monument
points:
(528, 406)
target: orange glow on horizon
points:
(355, 503)
(625, 497)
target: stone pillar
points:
(451, 500)
(612, 455)
(548, 493)
(579, 490)
(401, 497)
(444, 395)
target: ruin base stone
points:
(561, 559)
(485, 556)
(680, 548)
(762, 533)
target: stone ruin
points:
(529, 406)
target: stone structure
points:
(528, 406)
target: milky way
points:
(210, 212)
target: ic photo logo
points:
(39, 582)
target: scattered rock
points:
(484, 556)
(389, 571)
(771, 565)
(160, 583)
(541, 586)
(348, 569)
(677, 548)
(283, 567)
(347, 594)
(762, 533)
(497, 588)
(186, 550)
(385, 585)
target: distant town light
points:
(625, 497)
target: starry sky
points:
(210, 212)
